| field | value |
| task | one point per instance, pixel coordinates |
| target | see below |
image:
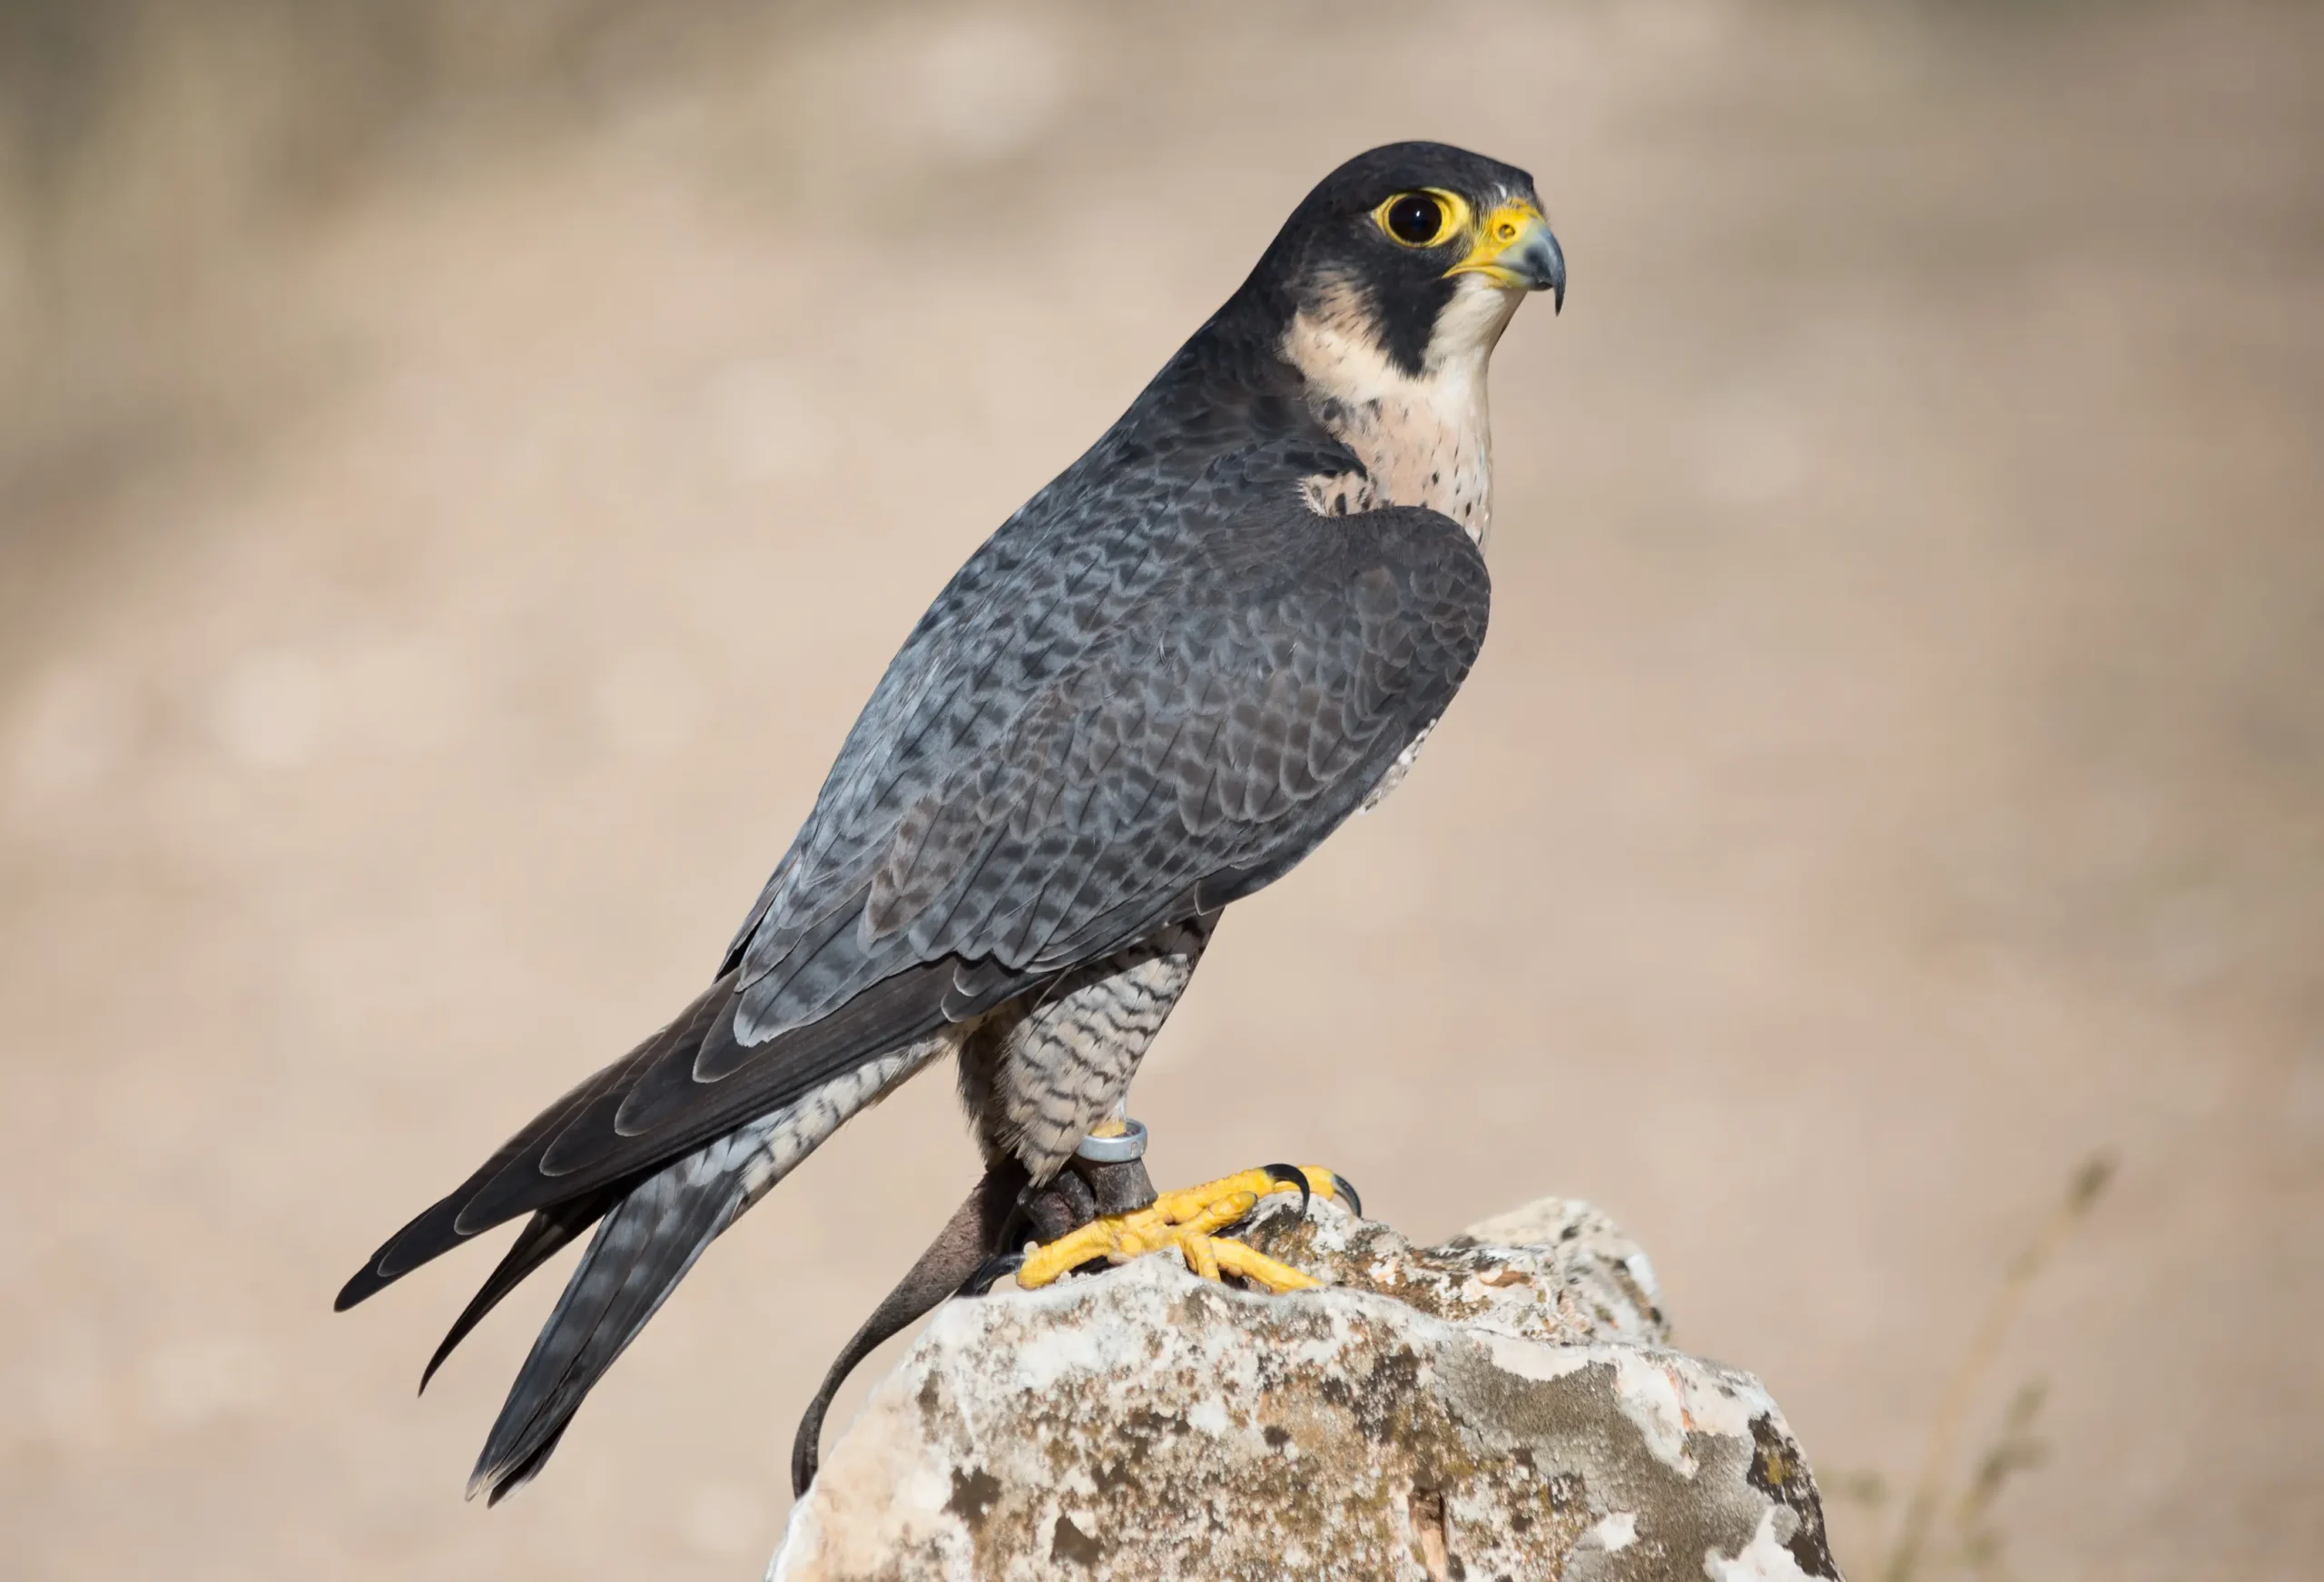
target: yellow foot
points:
(1187, 1220)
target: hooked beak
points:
(1515, 252)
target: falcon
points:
(1160, 685)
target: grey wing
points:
(1145, 758)
(1148, 730)
(1203, 742)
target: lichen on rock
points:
(1505, 1405)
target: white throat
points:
(1425, 438)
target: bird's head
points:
(1421, 250)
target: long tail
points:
(649, 1238)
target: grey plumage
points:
(1155, 690)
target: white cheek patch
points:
(1424, 439)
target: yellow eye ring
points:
(1427, 218)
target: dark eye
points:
(1416, 219)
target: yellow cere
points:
(1506, 227)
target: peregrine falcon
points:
(1159, 685)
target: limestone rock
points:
(1503, 1405)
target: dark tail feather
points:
(646, 1244)
(541, 1239)
(512, 1180)
(525, 1471)
(965, 1242)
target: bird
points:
(1226, 628)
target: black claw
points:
(990, 1272)
(1291, 1173)
(1347, 1190)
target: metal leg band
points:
(1119, 1148)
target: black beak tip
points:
(1543, 264)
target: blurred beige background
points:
(463, 468)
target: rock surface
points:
(1503, 1405)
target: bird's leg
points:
(1073, 1198)
(1108, 1178)
(1117, 1187)
(1052, 1208)
(1189, 1219)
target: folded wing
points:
(1096, 744)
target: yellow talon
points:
(1258, 1268)
(1201, 1254)
(1185, 1219)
